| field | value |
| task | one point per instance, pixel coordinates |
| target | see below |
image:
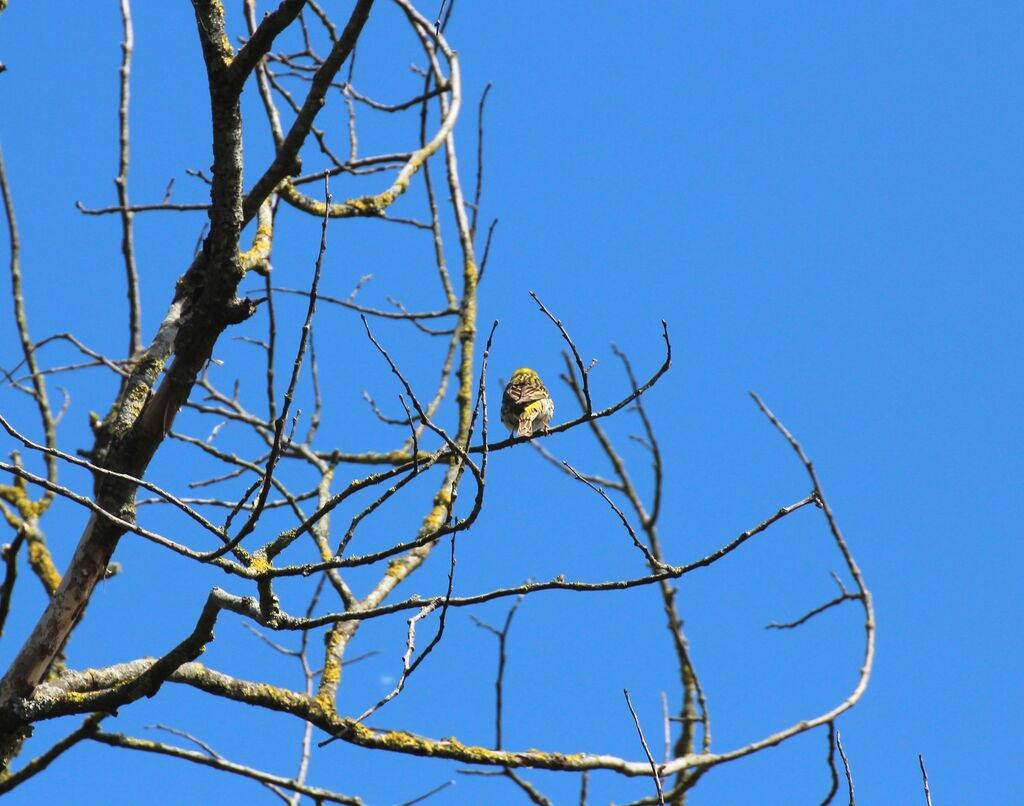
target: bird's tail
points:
(525, 427)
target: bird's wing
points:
(521, 395)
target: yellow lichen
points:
(400, 740)
(10, 517)
(397, 569)
(217, 17)
(269, 693)
(225, 46)
(260, 564)
(41, 562)
(331, 674)
(134, 401)
(17, 497)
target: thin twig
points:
(487, 249)
(647, 750)
(401, 314)
(127, 216)
(21, 320)
(499, 681)
(924, 780)
(271, 347)
(10, 558)
(437, 22)
(584, 370)
(131, 743)
(820, 609)
(831, 760)
(141, 208)
(41, 762)
(479, 159)
(846, 766)
(651, 559)
(425, 795)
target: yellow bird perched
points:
(526, 404)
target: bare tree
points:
(268, 520)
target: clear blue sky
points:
(823, 200)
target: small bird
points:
(526, 404)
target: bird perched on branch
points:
(526, 404)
